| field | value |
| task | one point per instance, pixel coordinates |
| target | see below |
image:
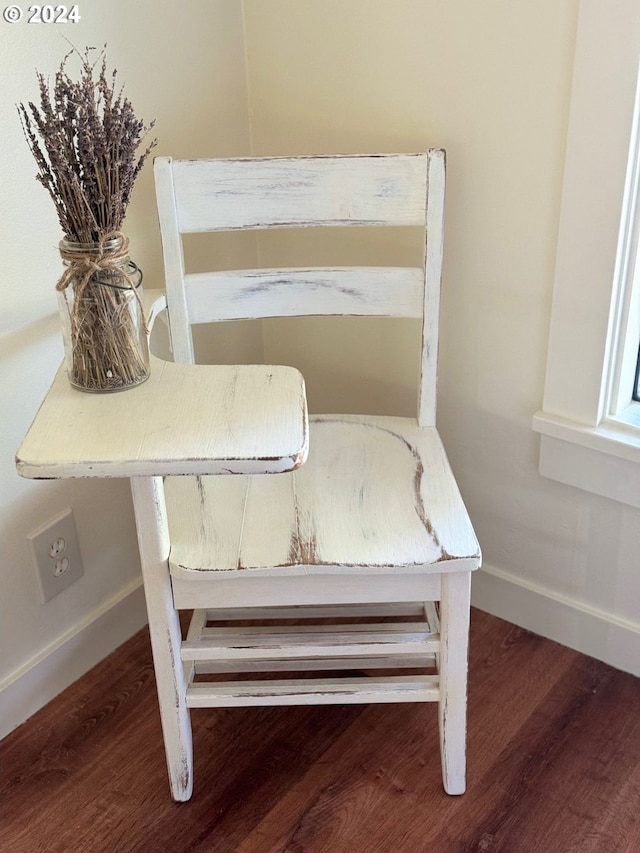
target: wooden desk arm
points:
(185, 419)
(154, 303)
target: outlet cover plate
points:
(49, 581)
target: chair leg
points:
(164, 628)
(454, 634)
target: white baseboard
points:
(61, 663)
(543, 611)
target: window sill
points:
(603, 459)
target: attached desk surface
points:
(185, 419)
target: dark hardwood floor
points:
(553, 766)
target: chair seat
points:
(375, 495)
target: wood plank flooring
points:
(554, 766)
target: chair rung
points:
(304, 691)
(431, 612)
(302, 631)
(322, 611)
(315, 641)
(427, 661)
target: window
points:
(620, 403)
(589, 423)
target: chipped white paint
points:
(242, 294)
(297, 691)
(217, 667)
(222, 195)
(434, 245)
(452, 701)
(164, 628)
(311, 619)
(214, 410)
(375, 514)
(338, 611)
(371, 526)
(376, 495)
(297, 585)
(317, 641)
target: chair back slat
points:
(360, 291)
(197, 196)
(280, 192)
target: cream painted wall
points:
(186, 69)
(490, 82)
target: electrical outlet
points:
(57, 555)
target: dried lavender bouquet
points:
(86, 141)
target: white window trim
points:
(590, 438)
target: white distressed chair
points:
(372, 525)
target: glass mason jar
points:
(104, 332)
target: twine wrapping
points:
(82, 266)
(105, 349)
